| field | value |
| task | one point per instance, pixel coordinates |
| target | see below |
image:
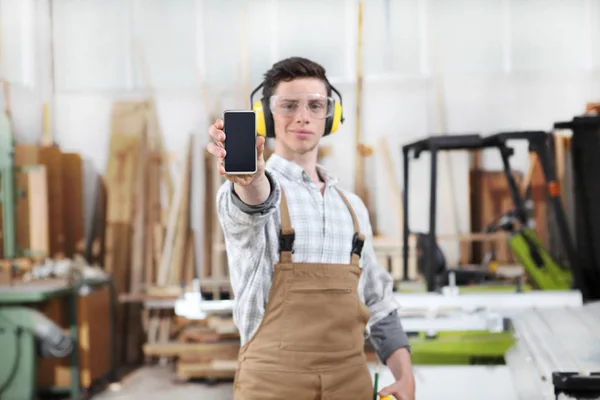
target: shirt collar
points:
(294, 172)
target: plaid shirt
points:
(324, 232)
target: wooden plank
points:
(157, 178)
(359, 172)
(118, 243)
(32, 228)
(22, 263)
(218, 254)
(152, 332)
(96, 241)
(134, 319)
(72, 195)
(183, 221)
(164, 329)
(209, 210)
(189, 264)
(152, 216)
(158, 243)
(392, 183)
(127, 127)
(222, 349)
(51, 158)
(139, 228)
(171, 231)
(201, 370)
(205, 334)
(128, 123)
(560, 163)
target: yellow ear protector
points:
(264, 118)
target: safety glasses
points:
(288, 105)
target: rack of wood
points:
(205, 349)
(148, 238)
(389, 255)
(49, 208)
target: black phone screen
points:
(240, 141)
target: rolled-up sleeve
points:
(386, 332)
(388, 335)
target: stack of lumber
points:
(148, 239)
(215, 257)
(48, 213)
(49, 208)
(201, 349)
(389, 255)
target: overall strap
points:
(286, 235)
(358, 239)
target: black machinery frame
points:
(538, 143)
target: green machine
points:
(7, 187)
(544, 272)
(25, 333)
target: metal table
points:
(557, 351)
(37, 292)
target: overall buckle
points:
(286, 241)
(357, 244)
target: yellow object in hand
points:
(387, 398)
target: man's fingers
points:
(216, 150)
(216, 130)
(216, 133)
(387, 391)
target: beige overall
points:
(310, 343)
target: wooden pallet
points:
(389, 255)
(206, 349)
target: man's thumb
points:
(260, 145)
(386, 393)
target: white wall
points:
(501, 64)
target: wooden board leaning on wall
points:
(149, 241)
(49, 208)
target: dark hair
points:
(292, 68)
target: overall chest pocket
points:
(320, 315)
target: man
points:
(303, 270)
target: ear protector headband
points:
(264, 118)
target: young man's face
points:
(300, 131)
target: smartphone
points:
(240, 141)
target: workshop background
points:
(114, 98)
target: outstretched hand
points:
(217, 149)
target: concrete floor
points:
(160, 383)
(433, 383)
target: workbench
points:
(36, 293)
(557, 351)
